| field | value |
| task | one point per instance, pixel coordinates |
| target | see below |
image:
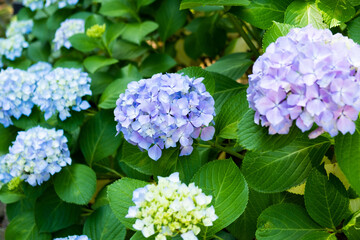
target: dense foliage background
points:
(257, 180)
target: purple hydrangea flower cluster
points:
(40, 4)
(62, 89)
(16, 92)
(74, 237)
(308, 76)
(68, 28)
(35, 155)
(12, 47)
(163, 110)
(19, 27)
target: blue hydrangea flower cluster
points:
(62, 89)
(40, 68)
(35, 155)
(16, 91)
(19, 27)
(40, 4)
(74, 237)
(163, 110)
(12, 47)
(308, 76)
(68, 28)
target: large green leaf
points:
(156, 63)
(23, 227)
(354, 29)
(336, 11)
(52, 214)
(124, 50)
(278, 170)
(289, 222)
(262, 13)
(195, 3)
(93, 63)
(198, 72)
(83, 43)
(274, 32)
(301, 13)
(224, 181)
(351, 229)
(136, 32)
(38, 51)
(187, 166)
(7, 196)
(119, 8)
(75, 184)
(97, 137)
(169, 18)
(257, 138)
(326, 198)
(103, 225)
(232, 66)
(5, 142)
(120, 195)
(347, 151)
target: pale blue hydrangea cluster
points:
(170, 208)
(40, 4)
(74, 237)
(19, 27)
(67, 29)
(13, 46)
(163, 110)
(308, 76)
(61, 90)
(16, 91)
(35, 154)
(40, 68)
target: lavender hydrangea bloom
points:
(157, 113)
(12, 47)
(74, 237)
(35, 155)
(62, 89)
(308, 76)
(16, 92)
(68, 28)
(19, 27)
(40, 68)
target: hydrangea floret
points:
(40, 69)
(170, 208)
(61, 90)
(308, 76)
(12, 47)
(16, 92)
(35, 154)
(67, 29)
(163, 110)
(19, 27)
(74, 237)
(40, 4)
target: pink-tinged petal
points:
(263, 105)
(207, 133)
(274, 116)
(345, 125)
(196, 133)
(187, 150)
(154, 152)
(312, 92)
(317, 132)
(351, 112)
(315, 107)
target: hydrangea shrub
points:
(181, 119)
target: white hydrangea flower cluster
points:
(62, 89)
(74, 237)
(35, 154)
(68, 28)
(12, 47)
(19, 27)
(170, 208)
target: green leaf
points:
(198, 72)
(23, 227)
(224, 181)
(103, 225)
(156, 63)
(41, 31)
(302, 13)
(68, 63)
(326, 198)
(284, 168)
(354, 29)
(288, 222)
(75, 184)
(101, 199)
(351, 228)
(120, 195)
(336, 11)
(52, 214)
(227, 120)
(347, 151)
(83, 43)
(119, 8)
(97, 137)
(169, 18)
(26, 122)
(93, 63)
(257, 138)
(124, 50)
(38, 51)
(136, 32)
(262, 13)
(114, 31)
(7, 196)
(196, 3)
(72, 123)
(232, 66)
(99, 82)
(187, 166)
(277, 30)
(10, 133)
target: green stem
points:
(110, 170)
(106, 47)
(224, 149)
(238, 26)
